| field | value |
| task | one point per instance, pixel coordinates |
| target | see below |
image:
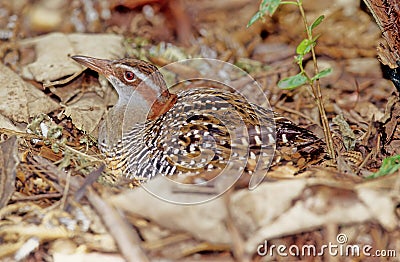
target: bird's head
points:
(132, 77)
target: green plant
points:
(389, 166)
(306, 46)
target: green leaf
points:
(272, 6)
(304, 47)
(389, 165)
(299, 59)
(292, 82)
(322, 74)
(266, 6)
(264, 3)
(315, 38)
(317, 22)
(255, 17)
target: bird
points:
(193, 134)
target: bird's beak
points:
(102, 66)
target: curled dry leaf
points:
(348, 136)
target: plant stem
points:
(289, 3)
(316, 89)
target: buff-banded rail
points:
(193, 133)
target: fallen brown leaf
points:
(23, 99)
(53, 51)
(8, 163)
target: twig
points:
(287, 109)
(92, 158)
(66, 189)
(63, 81)
(316, 88)
(19, 133)
(89, 180)
(127, 239)
(37, 197)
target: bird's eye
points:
(129, 76)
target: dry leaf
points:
(86, 113)
(8, 164)
(67, 92)
(381, 205)
(23, 99)
(205, 221)
(349, 138)
(6, 123)
(368, 109)
(53, 62)
(53, 51)
(306, 210)
(264, 204)
(283, 171)
(363, 67)
(271, 210)
(98, 257)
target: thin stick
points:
(126, 238)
